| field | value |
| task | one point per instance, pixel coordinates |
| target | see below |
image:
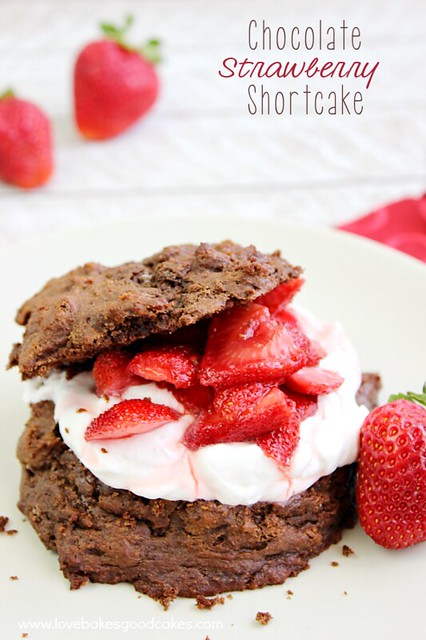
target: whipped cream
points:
(157, 465)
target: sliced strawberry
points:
(314, 381)
(194, 398)
(240, 414)
(111, 375)
(281, 295)
(175, 364)
(306, 406)
(281, 443)
(246, 345)
(128, 418)
(318, 352)
(237, 404)
(314, 351)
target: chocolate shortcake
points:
(192, 429)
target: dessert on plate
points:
(193, 430)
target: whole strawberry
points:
(114, 84)
(26, 158)
(391, 481)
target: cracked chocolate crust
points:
(169, 548)
(94, 307)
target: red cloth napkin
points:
(401, 225)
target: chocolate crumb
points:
(11, 532)
(290, 594)
(208, 603)
(139, 596)
(14, 578)
(345, 593)
(3, 522)
(334, 563)
(81, 410)
(24, 635)
(347, 551)
(229, 596)
(66, 430)
(167, 598)
(263, 617)
(103, 450)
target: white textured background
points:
(199, 150)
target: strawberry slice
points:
(175, 364)
(128, 418)
(314, 350)
(314, 381)
(194, 398)
(245, 344)
(240, 414)
(281, 443)
(281, 295)
(306, 406)
(111, 375)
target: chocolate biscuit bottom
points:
(170, 548)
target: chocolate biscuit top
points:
(94, 307)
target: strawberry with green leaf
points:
(115, 84)
(391, 480)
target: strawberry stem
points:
(117, 33)
(9, 93)
(149, 50)
(420, 398)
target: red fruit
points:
(128, 418)
(281, 443)
(281, 295)
(240, 414)
(194, 398)
(391, 480)
(245, 344)
(306, 406)
(314, 381)
(26, 157)
(236, 404)
(177, 365)
(114, 85)
(111, 375)
(313, 350)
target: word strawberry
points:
(391, 481)
(111, 375)
(128, 418)
(26, 158)
(241, 413)
(247, 345)
(114, 84)
(175, 364)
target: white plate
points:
(379, 296)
